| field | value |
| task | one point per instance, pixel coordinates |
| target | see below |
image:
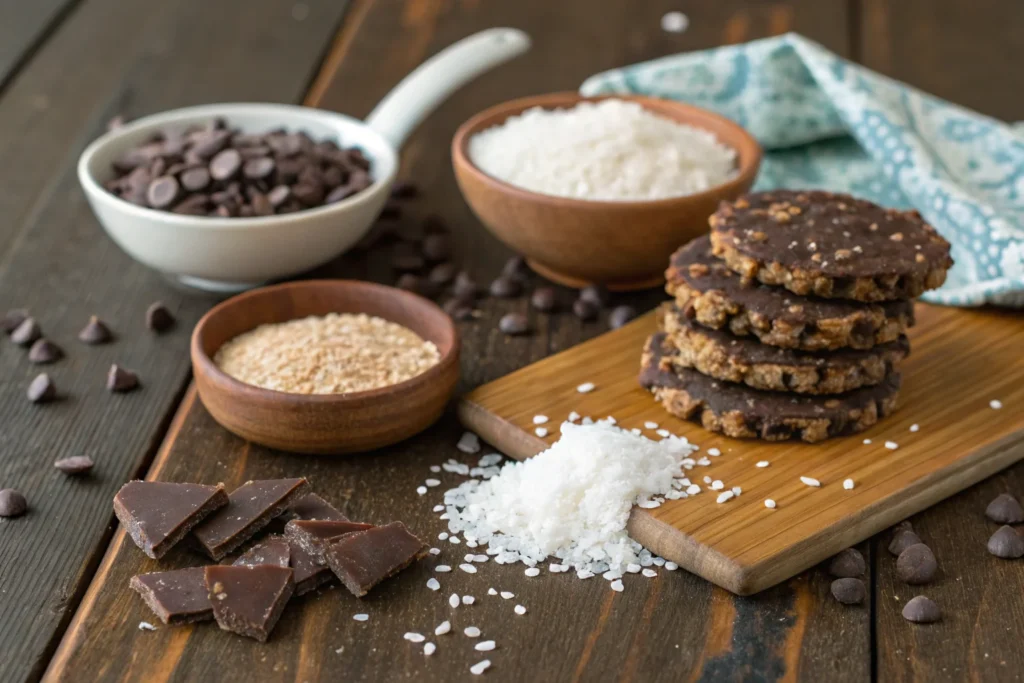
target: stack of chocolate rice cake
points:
(789, 319)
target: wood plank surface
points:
(574, 630)
(60, 265)
(23, 27)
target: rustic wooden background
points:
(68, 66)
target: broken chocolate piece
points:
(273, 550)
(159, 318)
(252, 505)
(308, 573)
(158, 514)
(121, 380)
(312, 506)
(314, 536)
(249, 600)
(95, 332)
(365, 558)
(44, 351)
(177, 597)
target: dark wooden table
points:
(68, 66)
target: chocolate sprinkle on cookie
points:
(740, 412)
(714, 296)
(830, 245)
(743, 360)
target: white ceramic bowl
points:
(230, 254)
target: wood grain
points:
(574, 630)
(23, 27)
(741, 545)
(59, 264)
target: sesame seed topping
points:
(810, 481)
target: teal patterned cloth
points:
(827, 123)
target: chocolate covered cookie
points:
(830, 245)
(739, 411)
(708, 292)
(744, 360)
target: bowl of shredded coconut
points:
(600, 189)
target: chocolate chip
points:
(404, 190)
(595, 294)
(259, 168)
(458, 309)
(849, 591)
(916, 564)
(162, 192)
(584, 309)
(903, 539)
(12, 319)
(514, 324)
(621, 315)
(847, 564)
(225, 165)
(516, 268)
(544, 299)
(44, 351)
(26, 333)
(1005, 509)
(195, 179)
(158, 317)
(465, 286)
(42, 389)
(279, 195)
(121, 380)
(76, 464)
(1006, 543)
(95, 332)
(437, 247)
(12, 503)
(442, 273)
(921, 610)
(209, 144)
(339, 193)
(506, 287)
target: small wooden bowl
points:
(624, 245)
(325, 423)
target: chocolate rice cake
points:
(744, 360)
(741, 412)
(714, 296)
(830, 245)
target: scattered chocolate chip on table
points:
(76, 464)
(95, 332)
(44, 351)
(159, 318)
(12, 319)
(917, 565)
(514, 324)
(12, 503)
(921, 610)
(121, 380)
(903, 538)
(847, 564)
(1005, 509)
(42, 389)
(26, 332)
(849, 590)
(1006, 543)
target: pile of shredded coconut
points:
(609, 150)
(572, 501)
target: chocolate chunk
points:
(1005, 509)
(621, 315)
(176, 597)
(516, 269)
(312, 506)
(442, 273)
(76, 464)
(585, 309)
(458, 309)
(916, 565)
(158, 317)
(313, 536)
(42, 389)
(158, 514)
(849, 591)
(121, 380)
(252, 506)
(847, 564)
(95, 332)
(195, 179)
(249, 600)
(163, 192)
(12, 319)
(365, 558)
(465, 286)
(1006, 543)
(544, 299)
(437, 247)
(902, 539)
(309, 574)
(921, 610)
(595, 294)
(514, 324)
(12, 503)
(404, 189)
(26, 333)
(44, 351)
(272, 550)
(506, 287)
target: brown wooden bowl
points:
(325, 423)
(622, 244)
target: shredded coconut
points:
(609, 150)
(570, 502)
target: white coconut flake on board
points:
(361, 617)
(433, 584)
(519, 609)
(414, 637)
(443, 628)
(586, 387)
(674, 22)
(811, 481)
(867, 442)
(848, 484)
(480, 667)
(570, 502)
(650, 425)
(540, 419)
(714, 452)
(995, 404)
(146, 626)
(891, 445)
(469, 443)
(541, 431)
(915, 427)
(429, 649)
(769, 503)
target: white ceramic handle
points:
(419, 93)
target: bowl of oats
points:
(326, 366)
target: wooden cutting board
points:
(960, 361)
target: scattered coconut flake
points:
(810, 481)
(586, 387)
(429, 649)
(633, 568)
(692, 489)
(484, 646)
(650, 425)
(541, 432)
(421, 490)
(472, 631)
(671, 566)
(995, 404)
(891, 445)
(717, 485)
(146, 626)
(443, 628)
(649, 573)
(433, 584)
(435, 468)
(413, 637)
(468, 599)
(674, 22)
(432, 482)
(435, 551)
(468, 568)
(491, 591)
(617, 586)
(664, 433)
(442, 568)
(725, 496)
(479, 558)
(915, 427)
(361, 617)
(455, 540)
(769, 503)
(532, 571)
(469, 443)
(704, 462)
(714, 452)
(707, 479)
(540, 419)
(443, 536)
(763, 463)
(737, 490)
(506, 595)
(438, 508)
(848, 484)
(867, 442)
(453, 600)
(585, 574)
(573, 416)
(520, 610)
(649, 504)
(480, 667)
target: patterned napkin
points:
(827, 123)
